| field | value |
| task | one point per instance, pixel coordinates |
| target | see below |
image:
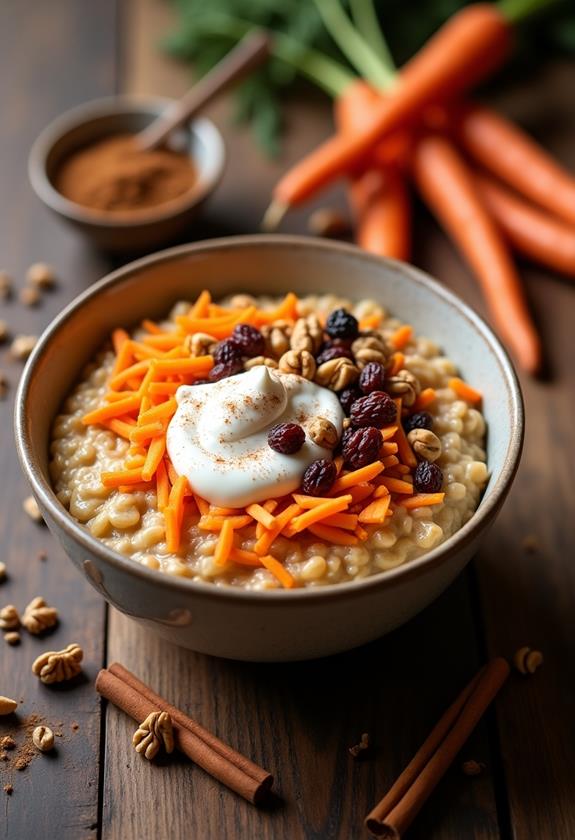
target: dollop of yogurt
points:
(218, 436)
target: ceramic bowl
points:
(280, 624)
(100, 118)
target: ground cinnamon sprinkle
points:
(113, 175)
(17, 752)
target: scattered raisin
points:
(361, 447)
(286, 438)
(319, 477)
(226, 351)
(342, 324)
(376, 409)
(347, 397)
(249, 339)
(427, 478)
(372, 378)
(419, 420)
(225, 369)
(333, 352)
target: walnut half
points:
(155, 732)
(58, 665)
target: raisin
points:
(226, 351)
(333, 352)
(347, 397)
(286, 438)
(319, 477)
(376, 409)
(372, 378)
(427, 478)
(249, 339)
(361, 447)
(342, 324)
(419, 420)
(225, 369)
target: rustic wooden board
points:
(51, 59)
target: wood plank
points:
(54, 56)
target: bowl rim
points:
(202, 127)
(414, 568)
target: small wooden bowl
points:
(100, 118)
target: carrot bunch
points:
(140, 402)
(490, 186)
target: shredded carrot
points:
(279, 571)
(388, 432)
(380, 491)
(177, 493)
(108, 412)
(218, 327)
(338, 461)
(164, 388)
(135, 488)
(422, 500)
(395, 485)
(118, 477)
(224, 543)
(172, 530)
(375, 513)
(370, 322)
(162, 486)
(203, 506)
(388, 448)
(142, 351)
(287, 310)
(245, 558)
(360, 492)
(260, 514)
(336, 536)
(141, 434)
(136, 370)
(197, 364)
(264, 543)
(401, 337)
(162, 411)
(390, 461)
(348, 480)
(425, 398)
(201, 307)
(215, 523)
(165, 341)
(119, 427)
(114, 396)
(151, 327)
(138, 459)
(119, 337)
(307, 502)
(123, 358)
(465, 391)
(397, 362)
(318, 513)
(342, 520)
(404, 450)
(361, 533)
(154, 456)
(224, 511)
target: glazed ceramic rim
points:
(204, 129)
(491, 500)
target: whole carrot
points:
(505, 150)
(531, 231)
(468, 48)
(447, 187)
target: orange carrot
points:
(260, 514)
(172, 530)
(197, 365)
(401, 337)
(530, 231)
(380, 199)
(509, 153)
(118, 477)
(162, 486)
(425, 399)
(142, 486)
(394, 485)
(124, 357)
(396, 362)
(448, 188)
(215, 523)
(360, 491)
(336, 536)
(264, 543)
(163, 388)
(119, 337)
(114, 410)
(388, 432)
(390, 461)
(165, 341)
(348, 480)
(389, 448)
(154, 456)
(160, 412)
(151, 327)
(135, 370)
(465, 391)
(348, 521)
(245, 558)
(404, 450)
(120, 427)
(316, 514)
(203, 506)
(422, 500)
(370, 322)
(201, 307)
(376, 512)
(309, 502)
(286, 310)
(469, 47)
(140, 434)
(279, 571)
(224, 544)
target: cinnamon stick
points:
(243, 763)
(395, 812)
(138, 706)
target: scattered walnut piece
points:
(277, 338)
(58, 665)
(5, 285)
(307, 334)
(43, 738)
(12, 638)
(8, 790)
(327, 221)
(2, 571)
(30, 505)
(29, 296)
(7, 743)
(472, 767)
(299, 362)
(337, 374)
(323, 432)
(242, 301)
(22, 346)
(369, 347)
(361, 750)
(9, 618)
(41, 275)
(260, 360)
(405, 385)
(7, 706)
(38, 616)
(155, 732)
(4, 331)
(425, 444)
(200, 344)
(527, 661)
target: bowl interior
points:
(102, 118)
(266, 265)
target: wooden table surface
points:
(297, 720)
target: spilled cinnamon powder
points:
(114, 176)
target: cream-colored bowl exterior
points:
(277, 625)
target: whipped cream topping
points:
(218, 436)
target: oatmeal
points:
(354, 447)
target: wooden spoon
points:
(250, 53)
